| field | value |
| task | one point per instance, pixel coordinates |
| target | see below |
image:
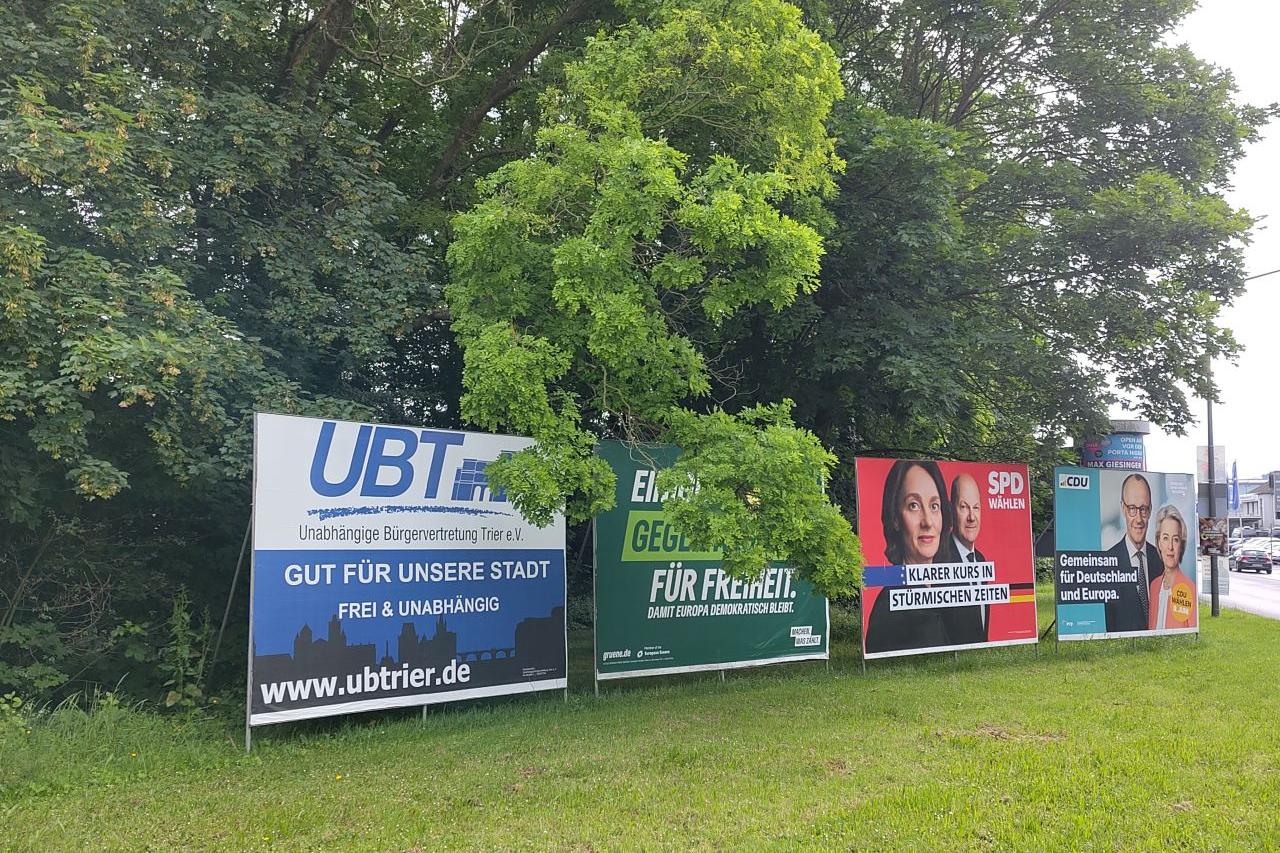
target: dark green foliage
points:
(1030, 228)
(193, 224)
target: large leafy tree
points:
(677, 181)
(201, 213)
(1030, 228)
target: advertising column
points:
(1125, 564)
(947, 556)
(386, 573)
(662, 607)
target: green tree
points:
(677, 180)
(1031, 228)
(207, 208)
(192, 225)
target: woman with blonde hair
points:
(1173, 595)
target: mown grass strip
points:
(1103, 745)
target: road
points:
(1256, 593)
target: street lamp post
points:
(1213, 500)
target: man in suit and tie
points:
(1129, 611)
(966, 624)
(967, 502)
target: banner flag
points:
(1125, 561)
(663, 607)
(386, 573)
(947, 556)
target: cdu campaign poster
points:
(386, 573)
(662, 607)
(947, 556)
(1125, 560)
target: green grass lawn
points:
(1112, 745)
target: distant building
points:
(1257, 504)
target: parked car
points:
(1251, 560)
(1247, 532)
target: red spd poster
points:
(947, 555)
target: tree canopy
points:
(1030, 228)
(576, 276)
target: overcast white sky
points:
(1241, 35)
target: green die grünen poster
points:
(662, 607)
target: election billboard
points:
(1125, 560)
(386, 573)
(663, 607)
(947, 556)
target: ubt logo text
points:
(383, 462)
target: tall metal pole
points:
(1213, 500)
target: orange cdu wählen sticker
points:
(1181, 600)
